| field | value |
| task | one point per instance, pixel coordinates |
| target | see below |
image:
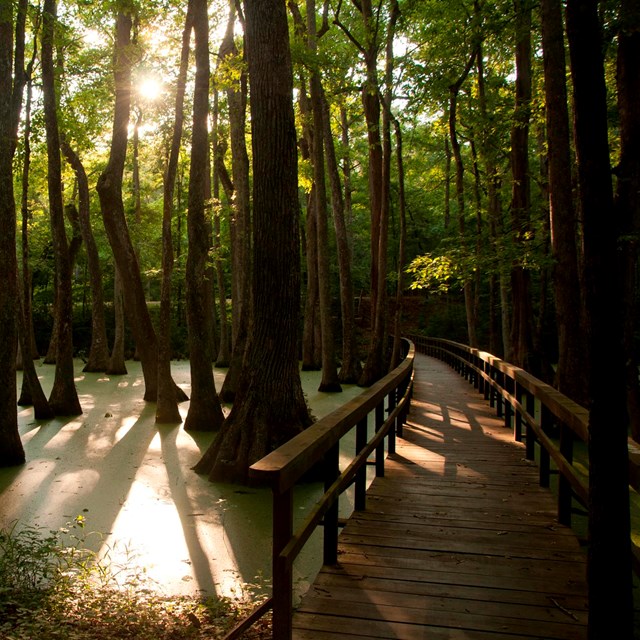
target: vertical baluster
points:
(546, 419)
(332, 471)
(282, 570)
(391, 447)
(565, 493)
(361, 474)
(517, 427)
(530, 443)
(380, 447)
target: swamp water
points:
(131, 480)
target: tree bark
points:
(270, 407)
(11, 450)
(63, 399)
(99, 351)
(609, 552)
(205, 411)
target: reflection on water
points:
(132, 480)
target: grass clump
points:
(53, 587)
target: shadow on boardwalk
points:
(457, 541)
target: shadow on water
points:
(133, 482)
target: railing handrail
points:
(284, 467)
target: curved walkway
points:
(458, 540)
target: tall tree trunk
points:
(609, 553)
(270, 407)
(205, 411)
(628, 190)
(522, 311)
(99, 351)
(568, 299)
(11, 450)
(311, 337)
(224, 351)
(397, 332)
(350, 369)
(454, 91)
(110, 192)
(241, 222)
(64, 397)
(329, 380)
(167, 407)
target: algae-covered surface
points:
(132, 482)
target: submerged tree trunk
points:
(270, 407)
(64, 397)
(99, 351)
(205, 411)
(609, 553)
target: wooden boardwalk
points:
(458, 540)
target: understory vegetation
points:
(53, 586)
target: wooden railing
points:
(548, 417)
(388, 400)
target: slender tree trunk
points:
(116, 365)
(609, 553)
(329, 380)
(351, 368)
(224, 350)
(397, 333)
(311, 345)
(205, 411)
(241, 222)
(64, 397)
(167, 407)
(270, 407)
(99, 351)
(11, 450)
(454, 90)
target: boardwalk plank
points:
(457, 541)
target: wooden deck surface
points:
(458, 540)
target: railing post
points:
(499, 398)
(545, 462)
(380, 447)
(565, 494)
(360, 500)
(332, 471)
(282, 574)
